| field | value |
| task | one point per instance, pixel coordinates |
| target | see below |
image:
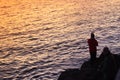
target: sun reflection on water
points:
(40, 32)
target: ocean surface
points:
(41, 38)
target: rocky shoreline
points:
(103, 68)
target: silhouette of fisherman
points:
(105, 53)
(108, 64)
(92, 42)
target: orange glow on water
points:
(48, 33)
(25, 15)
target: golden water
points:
(37, 36)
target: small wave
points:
(26, 71)
(4, 7)
(82, 22)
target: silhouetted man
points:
(92, 42)
(108, 64)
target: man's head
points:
(92, 36)
(106, 51)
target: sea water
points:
(41, 38)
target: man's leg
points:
(92, 56)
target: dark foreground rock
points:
(102, 69)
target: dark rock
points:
(70, 74)
(101, 69)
